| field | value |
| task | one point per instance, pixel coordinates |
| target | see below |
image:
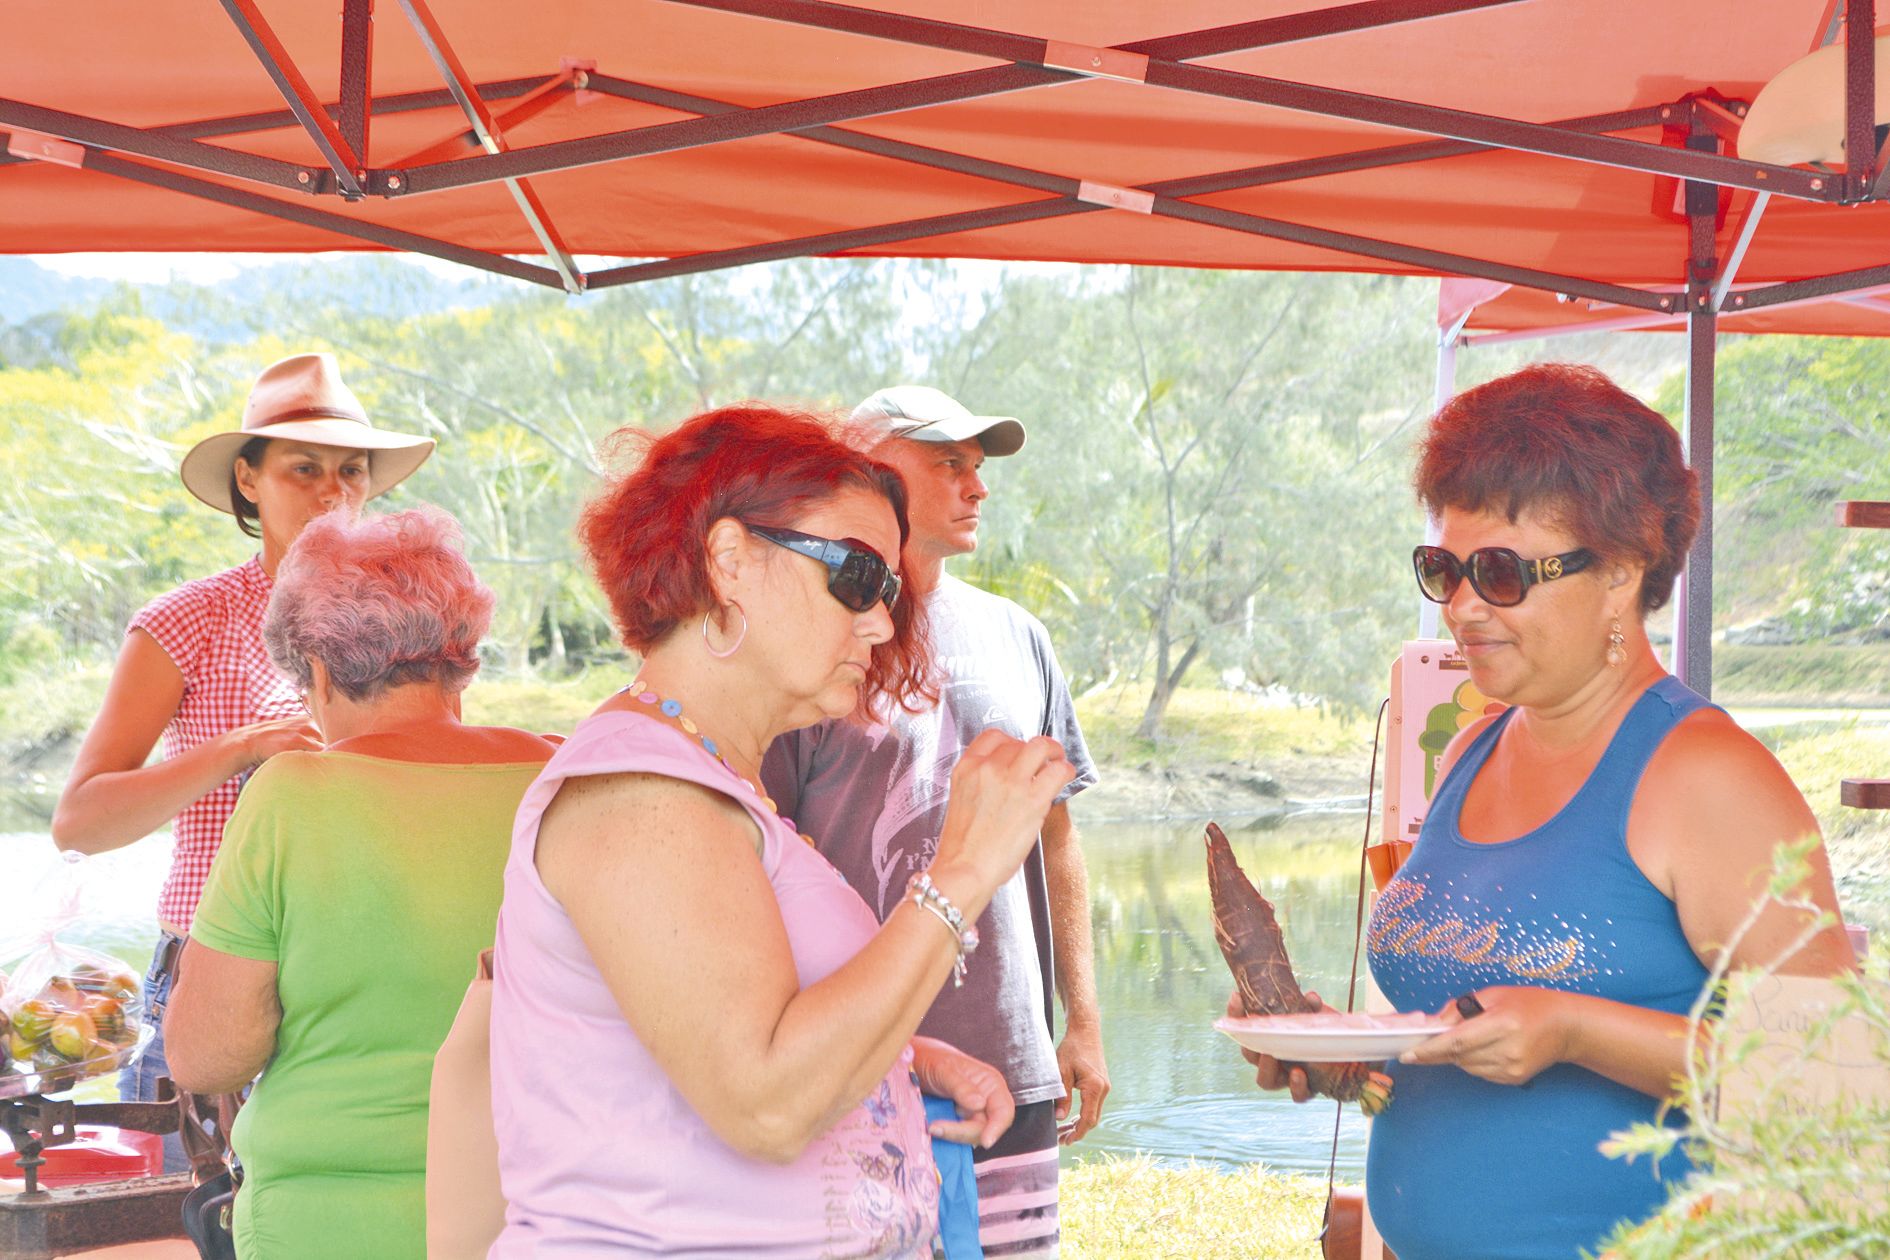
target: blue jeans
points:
(138, 1083)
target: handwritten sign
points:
(1805, 1061)
(1850, 1061)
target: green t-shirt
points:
(372, 885)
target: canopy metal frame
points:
(182, 157)
(1710, 292)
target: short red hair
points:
(1563, 440)
(646, 530)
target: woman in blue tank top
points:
(1587, 852)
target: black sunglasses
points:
(856, 574)
(1497, 574)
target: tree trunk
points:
(554, 637)
(1150, 727)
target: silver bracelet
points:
(926, 896)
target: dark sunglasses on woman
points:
(856, 575)
(1498, 575)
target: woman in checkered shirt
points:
(193, 670)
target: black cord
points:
(1358, 936)
(1364, 848)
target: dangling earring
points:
(1615, 639)
(740, 635)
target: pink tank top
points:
(599, 1155)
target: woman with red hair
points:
(1589, 853)
(702, 1039)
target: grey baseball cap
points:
(925, 414)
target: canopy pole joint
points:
(1115, 197)
(1093, 62)
(35, 147)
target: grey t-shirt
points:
(873, 798)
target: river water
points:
(1180, 1091)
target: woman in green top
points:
(354, 888)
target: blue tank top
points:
(1459, 1167)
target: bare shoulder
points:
(1713, 803)
(511, 744)
(1709, 752)
(603, 807)
(1460, 743)
(648, 829)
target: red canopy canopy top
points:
(1568, 160)
(1534, 142)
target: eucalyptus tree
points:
(1218, 469)
(1801, 422)
(524, 391)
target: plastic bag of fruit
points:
(66, 1012)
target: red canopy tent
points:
(1578, 149)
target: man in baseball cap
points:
(875, 796)
(925, 414)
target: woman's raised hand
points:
(260, 741)
(1001, 790)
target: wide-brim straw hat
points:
(302, 398)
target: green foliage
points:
(1818, 757)
(92, 520)
(1214, 726)
(42, 708)
(1786, 1173)
(537, 704)
(1800, 423)
(1210, 477)
(1216, 484)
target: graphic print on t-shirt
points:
(921, 778)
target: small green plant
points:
(1782, 1176)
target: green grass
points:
(1802, 674)
(1136, 1209)
(1211, 724)
(1818, 756)
(538, 704)
(42, 707)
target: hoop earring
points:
(733, 647)
(1615, 639)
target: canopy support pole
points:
(1868, 303)
(1186, 186)
(1166, 201)
(487, 133)
(1164, 71)
(311, 216)
(1693, 611)
(98, 134)
(1448, 339)
(1860, 98)
(350, 171)
(1748, 227)
(397, 103)
(1813, 289)
(1026, 70)
(357, 73)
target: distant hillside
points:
(28, 289)
(394, 287)
(232, 309)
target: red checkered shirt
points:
(212, 629)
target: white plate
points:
(1332, 1037)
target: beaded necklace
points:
(640, 691)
